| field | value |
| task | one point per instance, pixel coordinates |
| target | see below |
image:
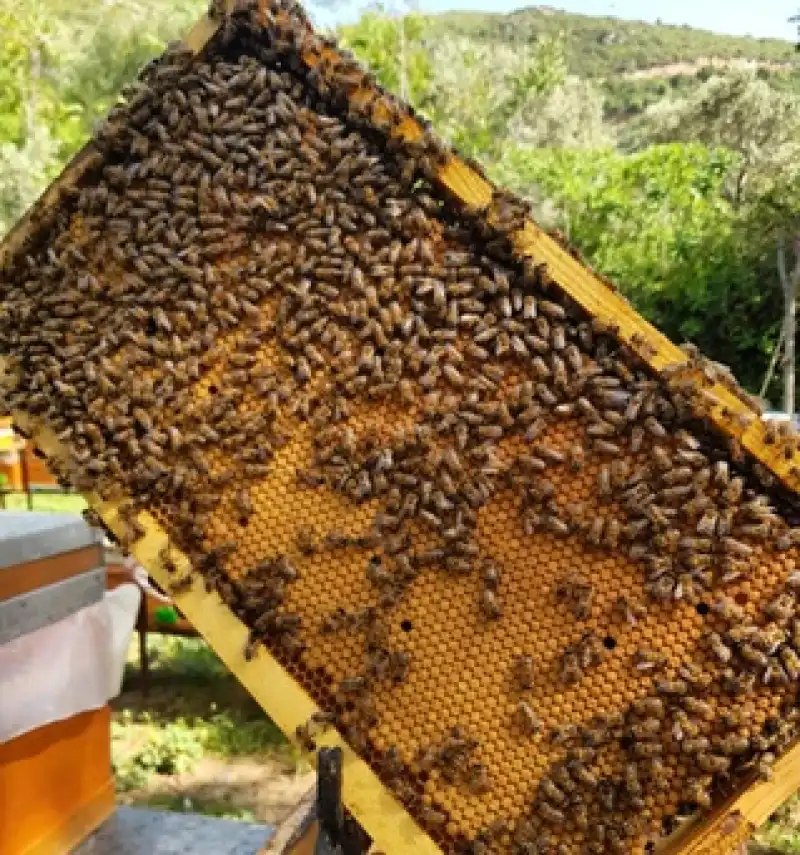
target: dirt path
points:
(690, 68)
(265, 790)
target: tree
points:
(392, 48)
(62, 66)
(658, 224)
(762, 126)
(741, 113)
(571, 116)
(480, 94)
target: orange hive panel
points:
(522, 575)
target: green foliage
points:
(626, 97)
(481, 97)
(781, 834)
(742, 113)
(162, 751)
(61, 68)
(169, 750)
(376, 41)
(55, 502)
(232, 736)
(658, 224)
(473, 93)
(186, 658)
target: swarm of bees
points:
(239, 209)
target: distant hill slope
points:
(604, 46)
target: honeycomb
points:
(523, 576)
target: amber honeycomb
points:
(461, 664)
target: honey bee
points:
(581, 773)
(648, 660)
(181, 585)
(697, 793)
(552, 793)
(753, 656)
(629, 611)
(305, 539)
(523, 671)
(718, 647)
(695, 745)
(305, 739)
(737, 684)
(477, 779)
(432, 817)
(728, 610)
(790, 661)
(528, 721)
(550, 814)
(353, 685)
(321, 720)
(647, 749)
(576, 457)
(763, 766)
(631, 780)
(166, 559)
(490, 605)
(698, 707)
(563, 733)
(251, 647)
(645, 729)
(570, 670)
(714, 764)
(733, 744)
(672, 687)
(782, 608)
(648, 707)
(243, 503)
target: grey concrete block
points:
(29, 536)
(44, 606)
(137, 831)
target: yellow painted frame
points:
(380, 814)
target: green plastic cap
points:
(166, 614)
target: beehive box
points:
(431, 488)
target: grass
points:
(781, 834)
(53, 502)
(197, 741)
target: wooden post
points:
(789, 282)
(26, 477)
(144, 661)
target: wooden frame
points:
(391, 827)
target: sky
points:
(762, 18)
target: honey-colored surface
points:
(461, 663)
(56, 785)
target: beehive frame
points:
(379, 813)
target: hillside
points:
(602, 46)
(636, 63)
